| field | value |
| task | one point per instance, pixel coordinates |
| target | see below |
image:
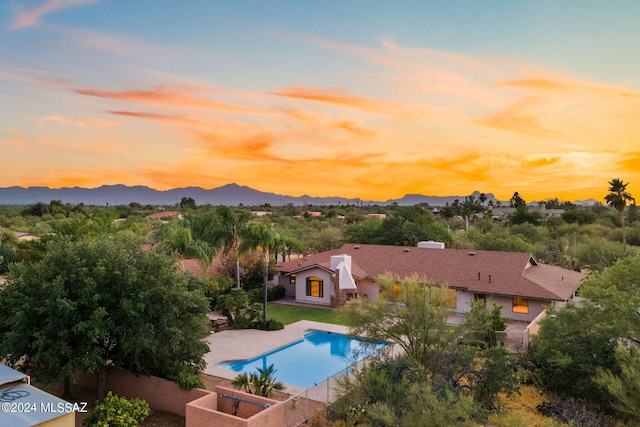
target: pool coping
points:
(249, 343)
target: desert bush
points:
(115, 411)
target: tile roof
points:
(489, 272)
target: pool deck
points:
(248, 343)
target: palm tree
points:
(177, 237)
(263, 382)
(264, 237)
(242, 381)
(618, 198)
(231, 304)
(230, 226)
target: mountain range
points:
(230, 195)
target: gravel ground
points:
(163, 419)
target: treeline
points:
(579, 238)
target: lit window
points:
(397, 290)
(314, 287)
(520, 305)
(452, 302)
(292, 279)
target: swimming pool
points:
(310, 360)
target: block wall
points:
(159, 393)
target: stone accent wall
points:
(338, 296)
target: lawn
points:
(288, 314)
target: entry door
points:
(482, 297)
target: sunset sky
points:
(365, 98)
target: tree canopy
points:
(93, 305)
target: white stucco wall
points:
(301, 287)
(535, 308)
(464, 300)
(368, 288)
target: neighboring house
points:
(308, 214)
(260, 213)
(503, 213)
(514, 280)
(23, 405)
(21, 236)
(376, 215)
(164, 215)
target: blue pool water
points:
(309, 361)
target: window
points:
(520, 305)
(452, 302)
(315, 287)
(292, 279)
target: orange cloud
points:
(91, 178)
(244, 147)
(177, 177)
(630, 163)
(353, 128)
(523, 117)
(162, 118)
(541, 162)
(341, 98)
(578, 87)
(82, 122)
(168, 99)
(30, 17)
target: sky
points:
(355, 98)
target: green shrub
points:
(188, 379)
(274, 325)
(276, 293)
(115, 411)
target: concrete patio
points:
(249, 343)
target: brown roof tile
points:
(511, 273)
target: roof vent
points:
(356, 247)
(489, 278)
(406, 249)
(478, 275)
(472, 253)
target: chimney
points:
(337, 259)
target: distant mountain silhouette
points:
(229, 195)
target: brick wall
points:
(216, 410)
(159, 393)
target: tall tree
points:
(410, 313)
(94, 305)
(265, 238)
(618, 198)
(230, 226)
(516, 200)
(184, 239)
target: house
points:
(515, 280)
(260, 213)
(164, 215)
(22, 236)
(502, 213)
(23, 405)
(376, 215)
